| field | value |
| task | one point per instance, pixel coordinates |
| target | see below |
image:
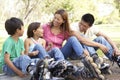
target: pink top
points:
(50, 37)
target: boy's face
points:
(83, 26)
(20, 31)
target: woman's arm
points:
(11, 65)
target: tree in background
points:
(42, 10)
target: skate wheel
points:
(98, 71)
(90, 59)
(101, 60)
(101, 77)
(94, 65)
(109, 72)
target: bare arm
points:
(11, 65)
(89, 42)
(109, 40)
(27, 45)
(43, 43)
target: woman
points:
(57, 31)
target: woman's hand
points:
(50, 45)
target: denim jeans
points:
(53, 53)
(72, 49)
(103, 41)
(21, 63)
(42, 52)
(56, 54)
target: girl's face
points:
(38, 32)
(57, 20)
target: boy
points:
(101, 41)
(12, 61)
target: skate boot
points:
(105, 69)
(57, 68)
(116, 59)
(97, 60)
(92, 67)
(38, 73)
(81, 73)
(69, 69)
(31, 68)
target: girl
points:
(35, 44)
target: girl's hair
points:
(65, 28)
(31, 27)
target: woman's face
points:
(57, 20)
(38, 32)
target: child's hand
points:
(50, 45)
(34, 53)
(86, 52)
(20, 74)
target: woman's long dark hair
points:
(65, 27)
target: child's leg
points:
(21, 63)
(56, 54)
(42, 52)
(8, 71)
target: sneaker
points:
(92, 67)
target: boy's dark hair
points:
(12, 24)
(31, 27)
(89, 18)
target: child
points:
(12, 61)
(35, 44)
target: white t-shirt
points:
(91, 32)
